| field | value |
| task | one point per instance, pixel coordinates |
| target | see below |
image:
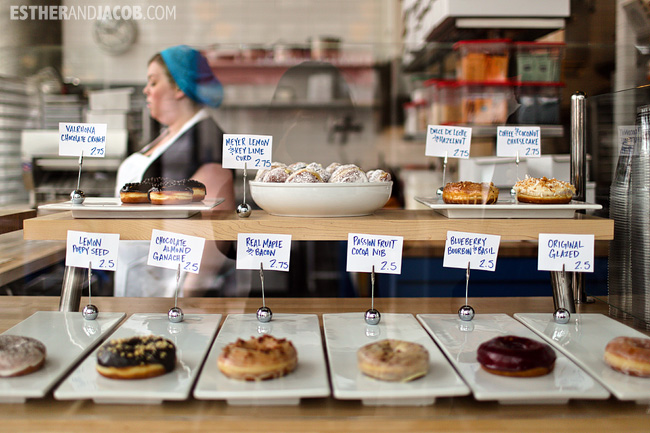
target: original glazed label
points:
(86, 138)
(448, 141)
(572, 253)
(383, 253)
(522, 141)
(269, 251)
(479, 250)
(253, 151)
(99, 250)
(168, 250)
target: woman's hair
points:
(158, 59)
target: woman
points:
(180, 85)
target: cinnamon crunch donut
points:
(260, 358)
(629, 355)
(20, 355)
(137, 357)
(470, 193)
(393, 360)
(510, 355)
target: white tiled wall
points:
(363, 23)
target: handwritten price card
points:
(98, 249)
(89, 138)
(519, 140)
(168, 250)
(252, 150)
(573, 252)
(382, 252)
(450, 141)
(271, 250)
(479, 250)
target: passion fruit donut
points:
(20, 355)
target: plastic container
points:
(447, 109)
(539, 61)
(539, 103)
(485, 102)
(415, 117)
(483, 60)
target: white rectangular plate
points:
(192, 338)
(112, 207)
(67, 338)
(308, 380)
(583, 340)
(460, 340)
(506, 209)
(345, 333)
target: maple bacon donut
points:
(544, 191)
(20, 355)
(260, 358)
(629, 355)
(393, 360)
(136, 357)
(514, 356)
(470, 193)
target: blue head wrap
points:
(193, 75)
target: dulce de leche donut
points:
(260, 358)
(470, 193)
(510, 355)
(20, 355)
(393, 360)
(629, 355)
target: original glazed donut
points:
(544, 191)
(171, 194)
(393, 360)
(515, 356)
(134, 192)
(470, 193)
(629, 355)
(137, 357)
(260, 358)
(198, 188)
(20, 355)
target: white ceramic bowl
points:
(320, 199)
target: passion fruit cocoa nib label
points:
(448, 141)
(479, 250)
(89, 138)
(522, 141)
(168, 250)
(254, 151)
(97, 249)
(573, 252)
(382, 252)
(271, 251)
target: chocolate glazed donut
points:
(136, 357)
(510, 355)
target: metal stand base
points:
(561, 282)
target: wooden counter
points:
(325, 415)
(411, 224)
(12, 219)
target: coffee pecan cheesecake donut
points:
(544, 191)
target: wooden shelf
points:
(411, 224)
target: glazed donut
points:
(20, 355)
(137, 357)
(348, 173)
(378, 176)
(304, 175)
(544, 191)
(514, 356)
(134, 192)
(393, 360)
(171, 194)
(277, 175)
(629, 355)
(198, 188)
(470, 193)
(260, 358)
